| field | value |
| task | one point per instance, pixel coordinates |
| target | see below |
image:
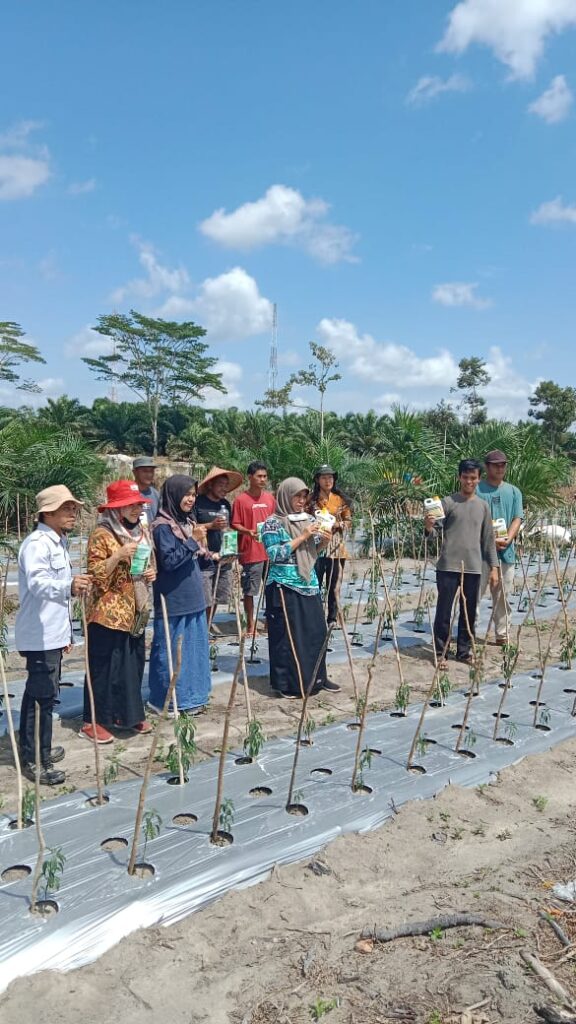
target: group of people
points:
(162, 554)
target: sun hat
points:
(51, 498)
(495, 456)
(121, 493)
(144, 462)
(234, 479)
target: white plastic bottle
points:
(434, 507)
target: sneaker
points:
(285, 696)
(49, 776)
(57, 754)
(142, 727)
(329, 685)
(102, 734)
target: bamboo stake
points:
(13, 743)
(39, 832)
(544, 660)
(258, 606)
(150, 761)
(239, 628)
(290, 638)
(168, 637)
(309, 688)
(364, 578)
(224, 743)
(348, 649)
(97, 767)
(214, 593)
(361, 730)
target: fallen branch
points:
(553, 1016)
(425, 927)
(555, 928)
(548, 978)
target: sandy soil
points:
(266, 955)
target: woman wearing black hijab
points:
(178, 542)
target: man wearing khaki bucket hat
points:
(213, 509)
(43, 623)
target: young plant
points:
(470, 739)
(52, 870)
(308, 728)
(226, 815)
(421, 745)
(182, 752)
(365, 761)
(418, 619)
(151, 825)
(213, 658)
(28, 802)
(112, 769)
(371, 609)
(322, 1007)
(254, 739)
(402, 698)
(540, 803)
(568, 647)
(360, 705)
(511, 730)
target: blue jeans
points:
(194, 683)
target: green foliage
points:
(509, 658)
(322, 1007)
(151, 825)
(568, 646)
(402, 697)
(540, 803)
(473, 376)
(554, 407)
(254, 739)
(226, 815)
(13, 352)
(112, 769)
(309, 728)
(184, 732)
(52, 870)
(28, 804)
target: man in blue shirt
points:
(144, 469)
(505, 501)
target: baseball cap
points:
(51, 498)
(495, 456)
(144, 462)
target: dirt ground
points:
(284, 951)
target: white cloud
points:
(50, 387)
(20, 176)
(88, 342)
(429, 87)
(231, 307)
(459, 293)
(22, 172)
(231, 378)
(515, 30)
(48, 266)
(386, 361)
(158, 278)
(555, 211)
(554, 104)
(282, 216)
(80, 188)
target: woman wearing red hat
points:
(117, 612)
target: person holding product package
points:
(292, 539)
(118, 610)
(249, 511)
(178, 541)
(327, 497)
(468, 540)
(44, 624)
(214, 510)
(505, 502)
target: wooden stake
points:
(99, 791)
(292, 647)
(224, 742)
(309, 688)
(170, 674)
(13, 743)
(39, 833)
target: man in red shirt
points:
(250, 508)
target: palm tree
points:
(64, 413)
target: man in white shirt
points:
(44, 624)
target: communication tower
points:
(273, 367)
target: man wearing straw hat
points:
(213, 510)
(43, 623)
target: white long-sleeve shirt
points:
(43, 622)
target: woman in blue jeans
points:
(178, 542)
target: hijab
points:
(174, 489)
(122, 529)
(294, 523)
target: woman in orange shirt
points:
(326, 496)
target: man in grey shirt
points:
(468, 541)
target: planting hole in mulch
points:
(418, 769)
(16, 873)
(466, 753)
(569, 689)
(505, 741)
(321, 771)
(536, 675)
(305, 743)
(565, 668)
(503, 714)
(174, 780)
(353, 725)
(374, 750)
(113, 844)
(458, 725)
(144, 870)
(362, 790)
(64, 683)
(502, 686)
(541, 703)
(435, 704)
(543, 728)
(25, 824)
(222, 838)
(93, 801)
(426, 739)
(260, 791)
(298, 810)
(243, 760)
(184, 819)
(397, 714)
(45, 908)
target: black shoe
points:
(329, 685)
(57, 754)
(49, 776)
(285, 696)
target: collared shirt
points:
(43, 622)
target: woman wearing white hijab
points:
(292, 539)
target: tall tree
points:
(64, 413)
(473, 376)
(14, 352)
(555, 409)
(318, 375)
(160, 361)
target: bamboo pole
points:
(224, 743)
(261, 592)
(239, 628)
(150, 761)
(97, 767)
(168, 637)
(348, 649)
(362, 728)
(307, 693)
(39, 832)
(291, 640)
(214, 592)
(13, 743)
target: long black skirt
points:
(308, 628)
(116, 662)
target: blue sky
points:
(397, 175)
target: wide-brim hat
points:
(122, 493)
(235, 479)
(51, 498)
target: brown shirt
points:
(337, 507)
(112, 602)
